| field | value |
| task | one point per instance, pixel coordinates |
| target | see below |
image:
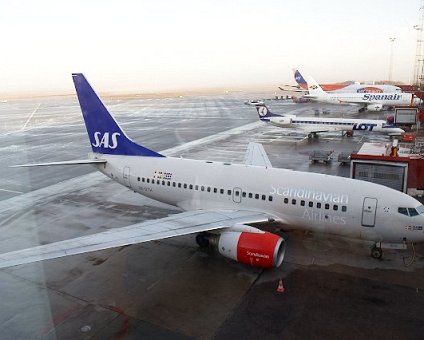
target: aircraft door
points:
(126, 176)
(368, 212)
(237, 195)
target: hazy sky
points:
(163, 45)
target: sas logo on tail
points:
(105, 141)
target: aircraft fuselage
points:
(335, 124)
(306, 201)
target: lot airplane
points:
(347, 87)
(367, 101)
(313, 125)
(222, 200)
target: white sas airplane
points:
(367, 101)
(314, 125)
(222, 200)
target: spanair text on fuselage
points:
(371, 98)
(312, 204)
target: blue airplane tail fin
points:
(106, 136)
(300, 80)
(264, 113)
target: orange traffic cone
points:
(280, 288)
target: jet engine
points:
(374, 107)
(257, 248)
(281, 121)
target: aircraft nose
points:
(419, 229)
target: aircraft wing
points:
(256, 155)
(291, 88)
(316, 129)
(350, 102)
(175, 225)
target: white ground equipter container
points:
(406, 116)
(396, 165)
(324, 156)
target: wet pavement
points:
(171, 288)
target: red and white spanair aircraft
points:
(346, 87)
(223, 200)
(366, 101)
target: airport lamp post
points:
(392, 40)
(418, 65)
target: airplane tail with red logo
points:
(106, 136)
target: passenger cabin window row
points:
(310, 204)
(204, 188)
(318, 205)
(320, 122)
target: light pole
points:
(419, 65)
(392, 40)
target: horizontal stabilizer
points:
(256, 155)
(74, 162)
(290, 88)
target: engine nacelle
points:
(374, 107)
(281, 121)
(259, 249)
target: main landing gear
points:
(376, 252)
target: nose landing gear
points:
(408, 260)
(376, 252)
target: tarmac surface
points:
(171, 288)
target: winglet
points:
(106, 136)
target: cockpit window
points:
(403, 211)
(420, 209)
(412, 211)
